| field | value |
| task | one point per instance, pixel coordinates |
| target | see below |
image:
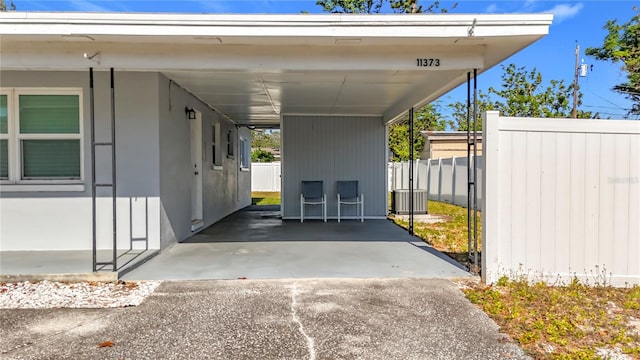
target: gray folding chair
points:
(348, 195)
(313, 194)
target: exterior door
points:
(196, 172)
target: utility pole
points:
(574, 112)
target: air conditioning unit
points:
(400, 201)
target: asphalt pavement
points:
(267, 319)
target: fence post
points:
(490, 197)
(453, 179)
(428, 177)
(417, 174)
(472, 164)
(439, 179)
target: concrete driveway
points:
(259, 245)
(267, 319)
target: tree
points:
(459, 112)
(427, 118)
(622, 45)
(524, 94)
(260, 139)
(376, 6)
(351, 6)
(7, 7)
(262, 156)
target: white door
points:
(196, 172)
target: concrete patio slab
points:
(259, 245)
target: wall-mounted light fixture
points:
(95, 57)
(191, 114)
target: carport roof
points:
(256, 68)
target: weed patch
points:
(574, 321)
(448, 236)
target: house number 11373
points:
(424, 62)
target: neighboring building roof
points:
(257, 68)
(448, 135)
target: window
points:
(4, 138)
(216, 151)
(245, 153)
(40, 135)
(230, 144)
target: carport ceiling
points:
(261, 97)
(256, 68)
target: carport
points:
(270, 248)
(189, 86)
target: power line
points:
(602, 107)
(612, 114)
(610, 102)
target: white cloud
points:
(492, 8)
(86, 5)
(562, 12)
(214, 6)
(529, 4)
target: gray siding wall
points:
(224, 191)
(332, 148)
(62, 220)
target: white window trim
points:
(7, 136)
(42, 188)
(231, 144)
(217, 142)
(15, 181)
(245, 153)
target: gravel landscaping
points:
(85, 295)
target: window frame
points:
(7, 136)
(230, 144)
(15, 138)
(245, 153)
(216, 146)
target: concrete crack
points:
(294, 315)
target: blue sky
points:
(580, 21)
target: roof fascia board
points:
(146, 57)
(329, 25)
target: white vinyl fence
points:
(561, 199)
(445, 179)
(265, 176)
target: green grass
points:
(265, 198)
(449, 236)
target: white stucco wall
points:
(225, 190)
(62, 220)
(153, 169)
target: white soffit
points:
(255, 68)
